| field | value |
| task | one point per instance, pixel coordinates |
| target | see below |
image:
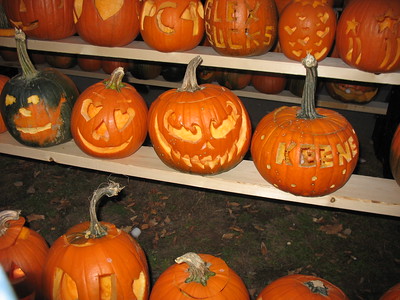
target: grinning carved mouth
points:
(104, 150)
(34, 130)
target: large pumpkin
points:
(54, 18)
(303, 150)
(107, 23)
(36, 105)
(176, 25)
(3, 80)
(199, 129)
(368, 35)
(307, 26)
(199, 276)
(109, 119)
(392, 294)
(95, 260)
(394, 160)
(23, 252)
(241, 28)
(301, 287)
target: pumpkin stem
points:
(317, 287)
(5, 216)
(96, 230)
(28, 69)
(115, 82)
(189, 83)
(198, 269)
(307, 110)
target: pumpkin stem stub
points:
(189, 83)
(5, 216)
(96, 230)
(28, 69)
(317, 287)
(115, 81)
(307, 110)
(198, 269)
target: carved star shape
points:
(388, 21)
(352, 26)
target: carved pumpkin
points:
(281, 4)
(109, 119)
(307, 26)
(3, 80)
(394, 160)
(346, 92)
(199, 129)
(107, 23)
(23, 253)
(199, 276)
(241, 28)
(36, 105)
(269, 83)
(368, 35)
(54, 18)
(95, 260)
(168, 26)
(392, 294)
(305, 151)
(302, 287)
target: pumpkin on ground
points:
(3, 80)
(301, 287)
(199, 129)
(368, 34)
(199, 276)
(95, 260)
(109, 119)
(36, 105)
(392, 294)
(241, 28)
(176, 25)
(394, 160)
(23, 252)
(303, 150)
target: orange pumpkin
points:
(346, 92)
(269, 83)
(394, 160)
(305, 151)
(3, 80)
(22, 254)
(199, 276)
(111, 63)
(281, 4)
(307, 26)
(109, 119)
(89, 63)
(301, 287)
(199, 129)
(95, 260)
(233, 79)
(392, 294)
(168, 26)
(242, 27)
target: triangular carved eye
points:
(64, 287)
(16, 272)
(89, 110)
(122, 120)
(101, 132)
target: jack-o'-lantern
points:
(241, 28)
(23, 253)
(199, 129)
(350, 92)
(3, 80)
(394, 159)
(305, 150)
(168, 26)
(368, 35)
(307, 26)
(36, 105)
(109, 119)
(95, 260)
(107, 23)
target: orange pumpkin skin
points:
(110, 64)
(269, 83)
(392, 294)
(394, 159)
(3, 80)
(241, 28)
(226, 284)
(368, 34)
(281, 4)
(107, 23)
(89, 63)
(109, 122)
(172, 25)
(307, 26)
(358, 93)
(301, 287)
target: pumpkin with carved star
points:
(368, 35)
(199, 129)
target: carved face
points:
(204, 132)
(307, 27)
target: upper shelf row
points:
(270, 62)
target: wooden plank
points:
(361, 193)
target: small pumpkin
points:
(199, 129)
(394, 160)
(301, 287)
(89, 63)
(269, 83)
(109, 119)
(306, 151)
(61, 60)
(234, 79)
(23, 253)
(3, 80)
(392, 294)
(109, 64)
(145, 69)
(95, 260)
(173, 72)
(348, 92)
(199, 276)
(36, 105)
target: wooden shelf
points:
(361, 193)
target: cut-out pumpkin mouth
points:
(34, 130)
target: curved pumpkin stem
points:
(115, 82)
(5, 216)
(317, 287)
(189, 83)
(96, 230)
(28, 69)
(198, 269)
(308, 99)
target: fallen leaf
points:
(236, 228)
(228, 236)
(258, 227)
(18, 183)
(331, 228)
(31, 190)
(34, 217)
(264, 249)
